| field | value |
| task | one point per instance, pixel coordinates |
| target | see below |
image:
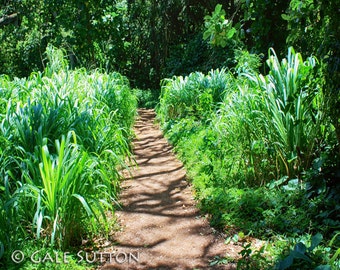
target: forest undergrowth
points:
(65, 134)
(260, 150)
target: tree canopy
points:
(148, 40)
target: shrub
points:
(64, 135)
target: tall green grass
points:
(64, 136)
(267, 125)
(195, 95)
(294, 108)
(259, 152)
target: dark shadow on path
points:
(159, 218)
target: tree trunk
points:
(8, 19)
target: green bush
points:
(64, 135)
(147, 98)
(195, 95)
(256, 146)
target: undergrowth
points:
(262, 156)
(64, 134)
(147, 98)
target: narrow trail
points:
(160, 223)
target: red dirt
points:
(160, 224)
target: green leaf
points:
(285, 17)
(231, 33)
(206, 34)
(333, 239)
(300, 248)
(300, 255)
(84, 203)
(241, 235)
(227, 240)
(316, 240)
(223, 42)
(286, 263)
(55, 228)
(277, 183)
(235, 238)
(218, 8)
(335, 256)
(39, 223)
(215, 262)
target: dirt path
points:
(161, 227)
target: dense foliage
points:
(64, 136)
(260, 135)
(260, 150)
(149, 40)
(92, 32)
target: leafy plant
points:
(294, 108)
(249, 149)
(309, 257)
(146, 98)
(218, 29)
(253, 259)
(64, 136)
(65, 198)
(194, 95)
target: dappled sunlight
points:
(159, 218)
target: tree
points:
(92, 32)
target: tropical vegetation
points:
(64, 136)
(259, 148)
(249, 97)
